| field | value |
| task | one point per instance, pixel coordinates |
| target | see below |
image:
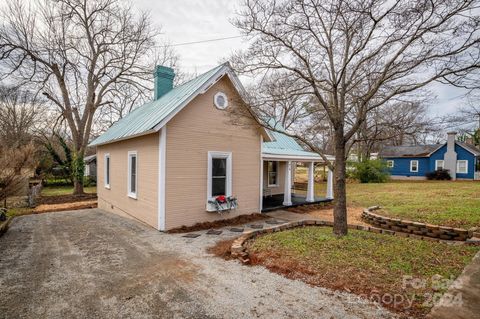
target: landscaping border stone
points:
(238, 249)
(411, 227)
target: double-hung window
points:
(219, 174)
(390, 163)
(107, 171)
(272, 171)
(462, 166)
(439, 164)
(132, 174)
(414, 166)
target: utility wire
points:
(202, 41)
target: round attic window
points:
(220, 100)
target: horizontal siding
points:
(191, 134)
(145, 207)
(402, 166)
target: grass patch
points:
(64, 190)
(446, 203)
(364, 263)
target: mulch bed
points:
(305, 209)
(239, 220)
(62, 199)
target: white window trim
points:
(215, 100)
(392, 162)
(129, 193)
(458, 166)
(228, 156)
(268, 175)
(438, 161)
(107, 185)
(411, 166)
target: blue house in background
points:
(414, 162)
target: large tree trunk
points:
(339, 185)
(78, 187)
(78, 172)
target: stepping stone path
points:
(214, 232)
(273, 222)
(236, 230)
(256, 226)
(191, 235)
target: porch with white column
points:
(287, 195)
(311, 183)
(310, 198)
(329, 194)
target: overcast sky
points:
(184, 21)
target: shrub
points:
(439, 175)
(371, 171)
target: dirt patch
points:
(222, 249)
(354, 215)
(47, 208)
(239, 220)
(325, 212)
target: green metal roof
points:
(284, 145)
(144, 118)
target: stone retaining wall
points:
(238, 249)
(411, 227)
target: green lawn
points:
(64, 190)
(365, 263)
(446, 203)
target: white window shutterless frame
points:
(219, 179)
(462, 166)
(439, 164)
(414, 166)
(107, 171)
(132, 179)
(272, 174)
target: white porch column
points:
(330, 184)
(311, 183)
(287, 195)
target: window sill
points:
(107, 186)
(272, 186)
(132, 196)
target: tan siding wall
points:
(191, 134)
(281, 179)
(145, 206)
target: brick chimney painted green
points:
(163, 80)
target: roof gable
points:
(152, 116)
(470, 148)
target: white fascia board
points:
(294, 157)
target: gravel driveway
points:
(92, 264)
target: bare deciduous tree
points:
(398, 123)
(20, 116)
(354, 56)
(78, 54)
